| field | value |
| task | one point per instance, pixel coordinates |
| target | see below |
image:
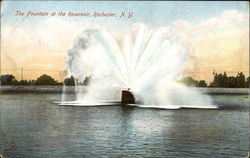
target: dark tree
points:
(202, 83)
(45, 80)
(240, 78)
(232, 83)
(7, 79)
(220, 80)
(217, 80)
(23, 82)
(69, 81)
(224, 80)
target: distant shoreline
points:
(32, 88)
(71, 89)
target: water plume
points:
(147, 63)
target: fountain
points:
(148, 63)
(127, 97)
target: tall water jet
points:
(148, 63)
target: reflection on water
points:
(32, 126)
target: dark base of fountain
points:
(127, 97)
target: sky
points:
(216, 32)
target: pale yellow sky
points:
(220, 43)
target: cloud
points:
(229, 20)
(39, 42)
(219, 43)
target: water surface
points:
(32, 126)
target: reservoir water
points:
(32, 126)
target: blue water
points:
(31, 126)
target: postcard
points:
(124, 79)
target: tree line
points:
(220, 80)
(9, 79)
(44, 79)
